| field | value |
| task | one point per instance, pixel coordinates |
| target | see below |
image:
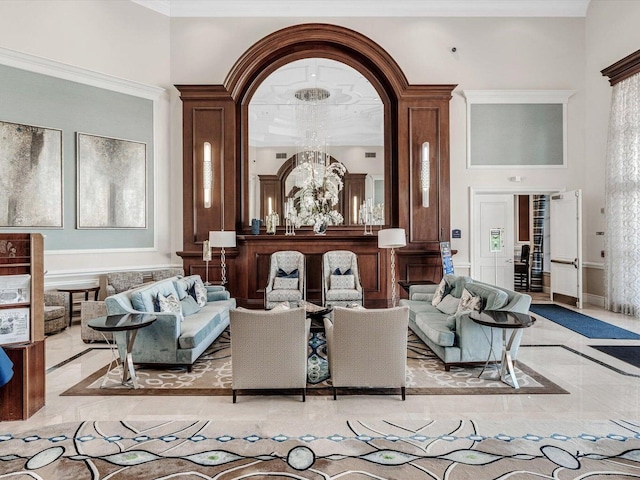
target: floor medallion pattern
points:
(435, 450)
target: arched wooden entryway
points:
(414, 114)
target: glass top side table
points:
(506, 321)
(124, 327)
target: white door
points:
(566, 244)
(492, 214)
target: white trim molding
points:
(52, 68)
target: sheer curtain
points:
(622, 193)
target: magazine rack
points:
(22, 323)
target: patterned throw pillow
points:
(441, 292)
(285, 283)
(198, 293)
(469, 302)
(342, 282)
(201, 293)
(170, 303)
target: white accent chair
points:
(283, 289)
(269, 349)
(367, 347)
(341, 290)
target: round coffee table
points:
(84, 290)
(129, 324)
(506, 321)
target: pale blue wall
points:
(41, 100)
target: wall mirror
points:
(319, 102)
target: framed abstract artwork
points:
(112, 182)
(30, 176)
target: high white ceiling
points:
(368, 8)
(354, 109)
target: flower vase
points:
(320, 228)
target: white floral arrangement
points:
(317, 197)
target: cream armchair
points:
(286, 279)
(341, 279)
(367, 348)
(269, 349)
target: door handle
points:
(509, 260)
(575, 262)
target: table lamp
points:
(392, 238)
(222, 240)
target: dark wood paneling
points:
(623, 69)
(413, 114)
(270, 188)
(261, 247)
(24, 395)
(418, 266)
(354, 186)
(524, 220)
(424, 225)
(207, 127)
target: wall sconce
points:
(207, 174)
(425, 174)
(221, 240)
(355, 210)
(392, 238)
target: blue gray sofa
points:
(174, 338)
(447, 329)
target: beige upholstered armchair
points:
(89, 310)
(116, 282)
(56, 312)
(286, 279)
(269, 349)
(367, 348)
(165, 273)
(341, 279)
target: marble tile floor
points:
(597, 392)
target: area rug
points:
(583, 324)
(211, 375)
(376, 449)
(627, 353)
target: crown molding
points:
(368, 8)
(25, 61)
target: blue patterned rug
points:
(419, 449)
(580, 323)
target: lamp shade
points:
(391, 238)
(222, 239)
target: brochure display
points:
(22, 323)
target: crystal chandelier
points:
(312, 114)
(318, 181)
